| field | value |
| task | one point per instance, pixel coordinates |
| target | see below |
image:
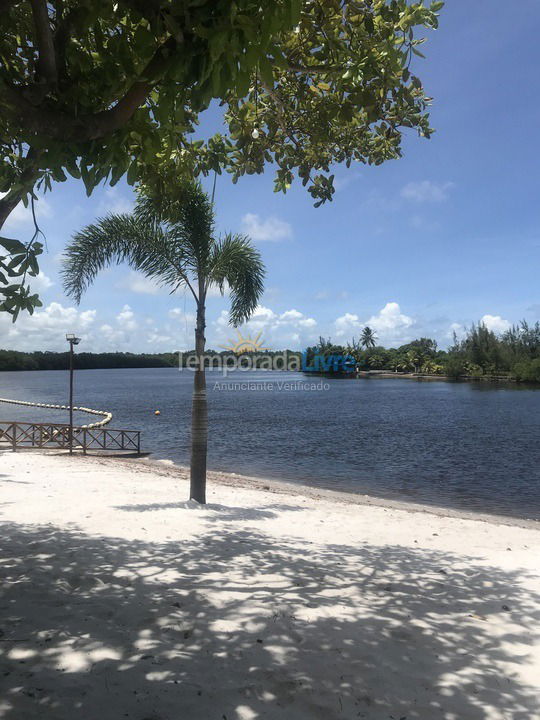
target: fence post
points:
(13, 439)
(84, 441)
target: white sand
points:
(120, 600)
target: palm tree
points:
(414, 358)
(172, 240)
(368, 338)
(376, 362)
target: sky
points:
(422, 246)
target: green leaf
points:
(266, 71)
(12, 246)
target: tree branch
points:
(27, 178)
(60, 125)
(44, 41)
(7, 204)
(63, 20)
(281, 110)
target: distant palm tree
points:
(376, 362)
(368, 338)
(172, 241)
(414, 358)
(430, 367)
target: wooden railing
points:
(53, 435)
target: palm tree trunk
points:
(199, 412)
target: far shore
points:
(123, 599)
(380, 374)
(426, 376)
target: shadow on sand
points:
(238, 626)
(217, 512)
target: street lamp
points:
(72, 340)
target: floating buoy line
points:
(106, 419)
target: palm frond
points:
(115, 239)
(234, 260)
(187, 214)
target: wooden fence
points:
(53, 435)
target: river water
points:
(472, 446)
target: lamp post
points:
(72, 340)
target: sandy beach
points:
(119, 599)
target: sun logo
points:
(245, 344)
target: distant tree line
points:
(14, 360)
(480, 353)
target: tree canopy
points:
(97, 89)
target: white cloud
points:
(346, 324)
(263, 318)
(21, 215)
(271, 229)
(178, 315)
(291, 315)
(456, 328)
(87, 318)
(295, 317)
(126, 318)
(40, 283)
(46, 329)
(290, 328)
(495, 323)
(115, 201)
(390, 325)
(123, 330)
(155, 338)
(138, 283)
(390, 319)
(426, 191)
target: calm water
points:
(464, 445)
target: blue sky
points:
(421, 246)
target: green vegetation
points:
(368, 339)
(96, 90)
(14, 360)
(481, 353)
(171, 239)
(516, 352)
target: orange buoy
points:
(157, 412)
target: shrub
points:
(454, 367)
(527, 370)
